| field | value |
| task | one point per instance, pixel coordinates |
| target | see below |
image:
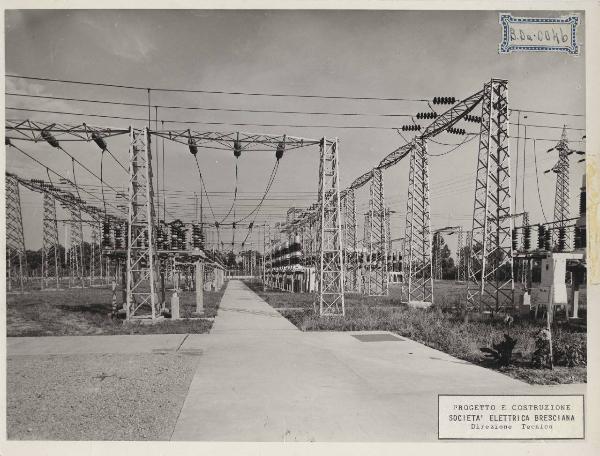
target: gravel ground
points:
(97, 397)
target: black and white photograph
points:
(300, 226)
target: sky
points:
(385, 54)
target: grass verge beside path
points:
(438, 330)
(96, 397)
(76, 312)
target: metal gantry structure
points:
(16, 259)
(417, 236)
(141, 238)
(326, 232)
(329, 240)
(376, 280)
(491, 284)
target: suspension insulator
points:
(99, 141)
(192, 146)
(237, 148)
(7, 142)
(47, 136)
(514, 240)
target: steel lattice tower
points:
(491, 283)
(417, 237)
(50, 247)
(331, 264)
(349, 242)
(376, 237)
(141, 239)
(16, 260)
(76, 246)
(561, 196)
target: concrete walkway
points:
(261, 379)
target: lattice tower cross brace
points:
(16, 260)
(141, 245)
(491, 282)
(331, 261)
(50, 251)
(417, 238)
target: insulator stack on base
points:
(527, 238)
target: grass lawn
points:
(87, 311)
(439, 330)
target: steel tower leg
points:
(417, 237)
(16, 260)
(491, 284)
(349, 231)
(50, 251)
(377, 238)
(331, 262)
(141, 245)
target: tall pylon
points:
(491, 285)
(141, 239)
(377, 278)
(560, 236)
(50, 245)
(16, 260)
(418, 285)
(349, 241)
(331, 261)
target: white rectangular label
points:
(511, 417)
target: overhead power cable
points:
(216, 92)
(201, 108)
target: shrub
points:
(501, 353)
(541, 355)
(569, 349)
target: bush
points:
(569, 349)
(501, 353)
